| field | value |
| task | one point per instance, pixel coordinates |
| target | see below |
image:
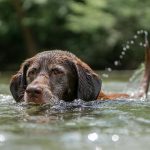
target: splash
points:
(127, 46)
(138, 75)
(60, 106)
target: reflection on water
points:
(93, 136)
(94, 125)
(2, 138)
(115, 137)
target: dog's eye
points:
(57, 71)
(32, 72)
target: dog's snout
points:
(34, 90)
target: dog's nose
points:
(34, 91)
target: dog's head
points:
(54, 75)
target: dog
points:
(56, 75)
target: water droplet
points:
(127, 46)
(120, 56)
(93, 136)
(123, 53)
(141, 44)
(132, 42)
(138, 32)
(135, 36)
(109, 69)
(144, 45)
(124, 48)
(142, 31)
(104, 75)
(116, 63)
(146, 33)
(115, 138)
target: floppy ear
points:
(18, 83)
(89, 85)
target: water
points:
(117, 125)
(140, 39)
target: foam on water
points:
(5, 98)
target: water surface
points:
(117, 125)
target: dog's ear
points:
(18, 82)
(89, 85)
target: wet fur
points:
(85, 82)
(81, 82)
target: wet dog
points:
(53, 75)
(59, 75)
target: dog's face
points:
(48, 79)
(54, 75)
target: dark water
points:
(116, 125)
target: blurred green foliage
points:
(94, 30)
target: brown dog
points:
(59, 75)
(54, 75)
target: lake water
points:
(116, 125)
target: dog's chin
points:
(40, 100)
(35, 101)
